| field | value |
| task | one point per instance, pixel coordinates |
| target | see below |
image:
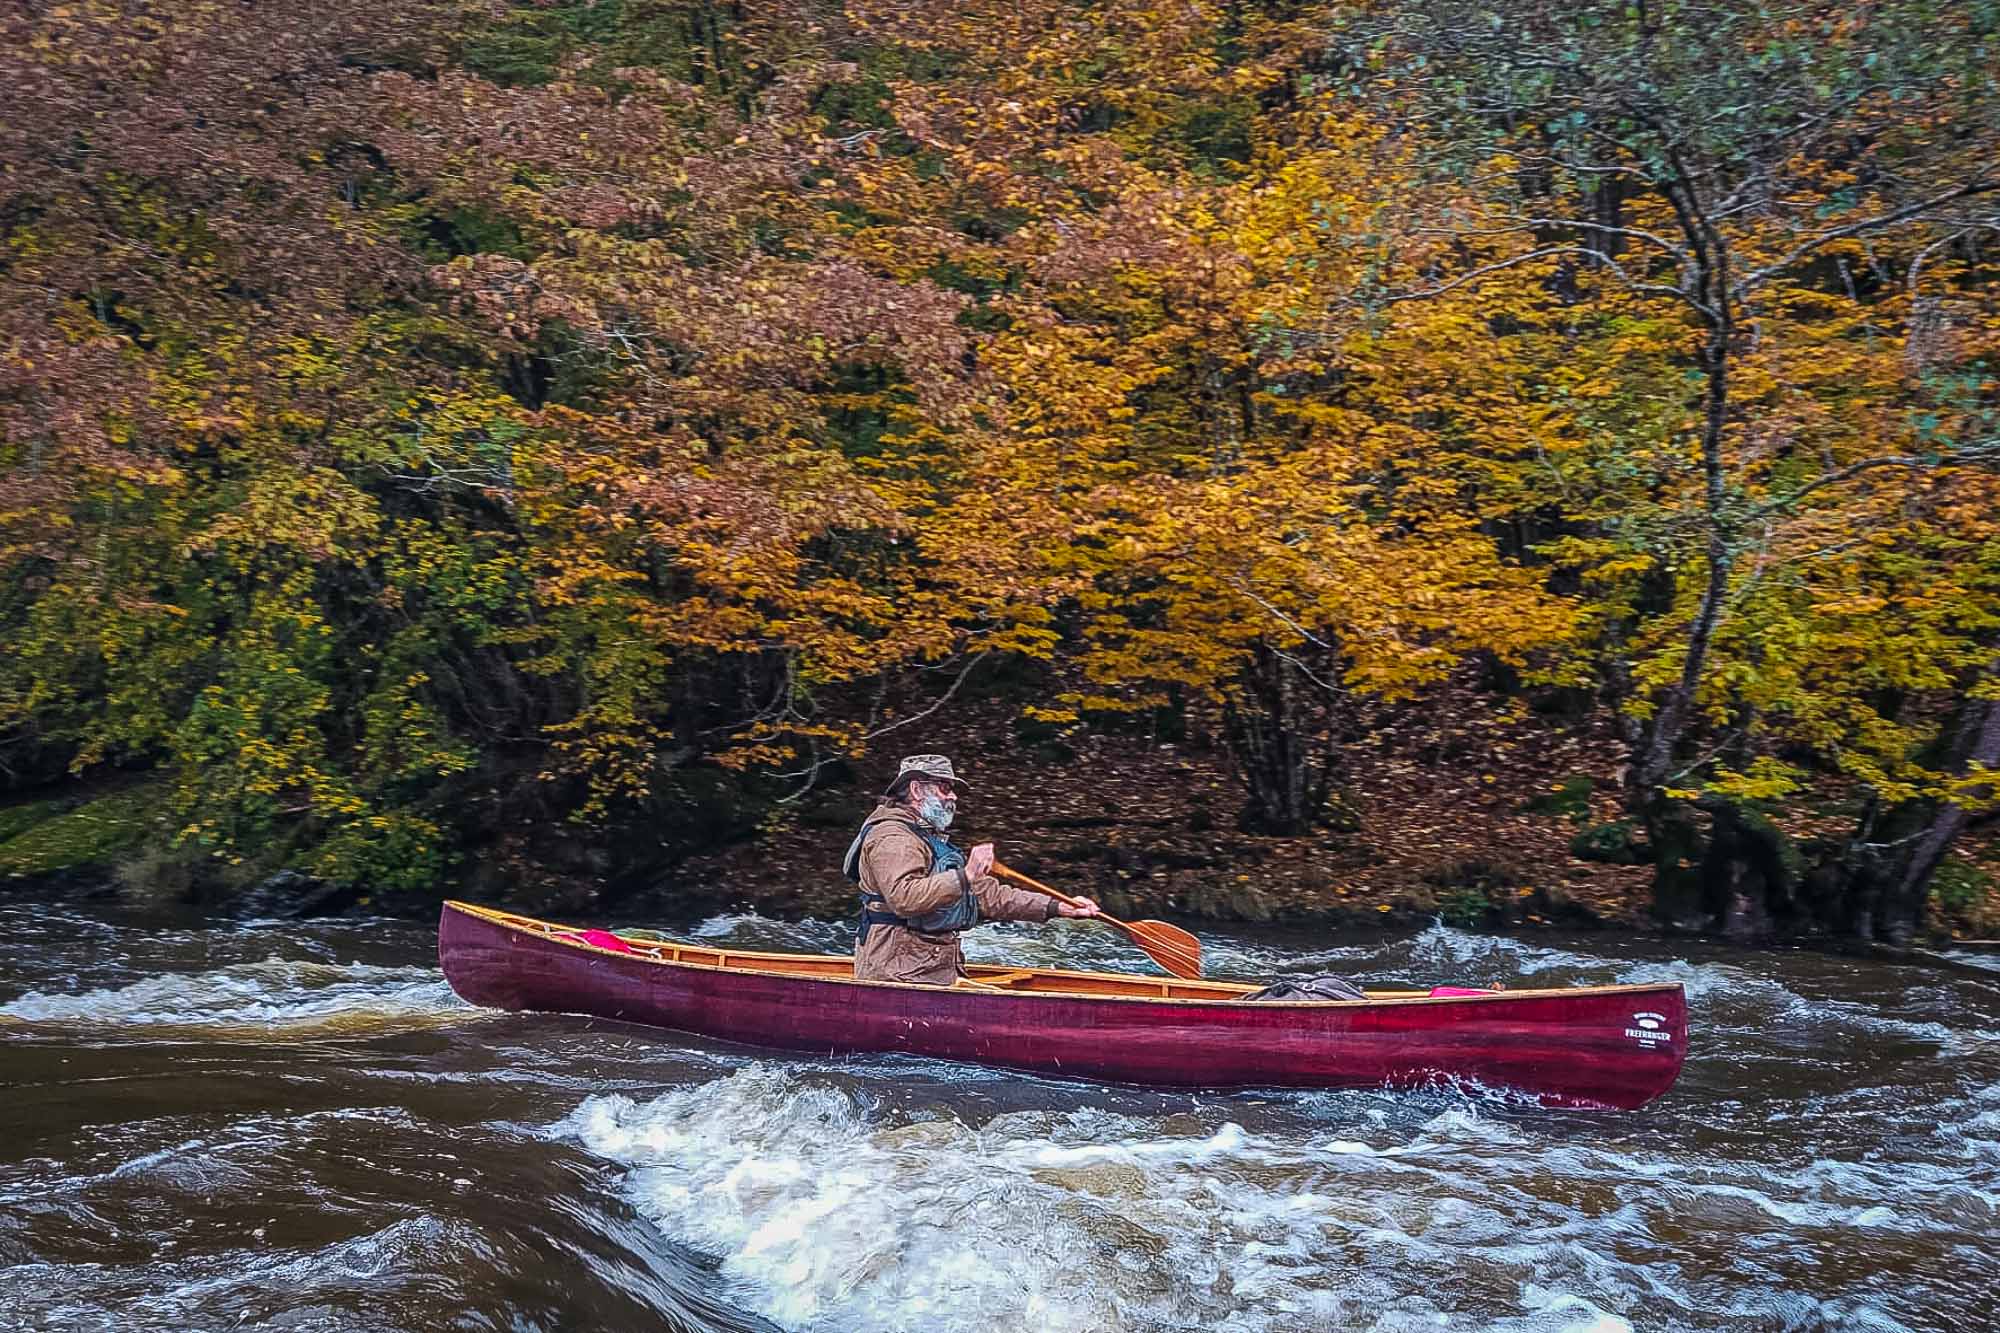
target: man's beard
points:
(933, 811)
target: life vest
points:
(945, 855)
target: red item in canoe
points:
(1591, 1046)
(603, 939)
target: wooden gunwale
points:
(829, 968)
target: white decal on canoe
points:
(1649, 1028)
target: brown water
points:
(213, 1125)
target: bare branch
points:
(1907, 213)
(1517, 225)
(942, 700)
(1544, 252)
(1923, 256)
(1975, 454)
(1243, 586)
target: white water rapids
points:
(223, 1126)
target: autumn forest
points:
(570, 449)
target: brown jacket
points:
(896, 863)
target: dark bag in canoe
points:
(1309, 988)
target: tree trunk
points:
(1674, 845)
(1750, 874)
(1278, 724)
(1663, 736)
(1879, 888)
(1671, 829)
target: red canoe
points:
(1596, 1046)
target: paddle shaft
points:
(1179, 953)
(1009, 873)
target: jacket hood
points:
(891, 810)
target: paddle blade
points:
(1169, 946)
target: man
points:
(918, 890)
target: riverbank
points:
(1473, 825)
(1493, 822)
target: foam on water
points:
(1846, 1014)
(829, 1211)
(211, 1291)
(1055, 944)
(1438, 954)
(1986, 960)
(824, 1219)
(255, 999)
(1441, 944)
(750, 930)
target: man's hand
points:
(1081, 907)
(980, 860)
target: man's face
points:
(922, 788)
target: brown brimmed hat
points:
(925, 766)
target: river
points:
(219, 1125)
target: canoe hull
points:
(1615, 1047)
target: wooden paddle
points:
(1169, 946)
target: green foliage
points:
(465, 230)
(529, 44)
(1469, 891)
(1218, 136)
(1570, 798)
(1759, 828)
(1611, 842)
(1960, 885)
(392, 851)
(21, 816)
(93, 835)
(1466, 909)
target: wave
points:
(255, 999)
(1441, 944)
(1078, 1219)
(750, 930)
(1986, 961)
(831, 1207)
(327, 1287)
